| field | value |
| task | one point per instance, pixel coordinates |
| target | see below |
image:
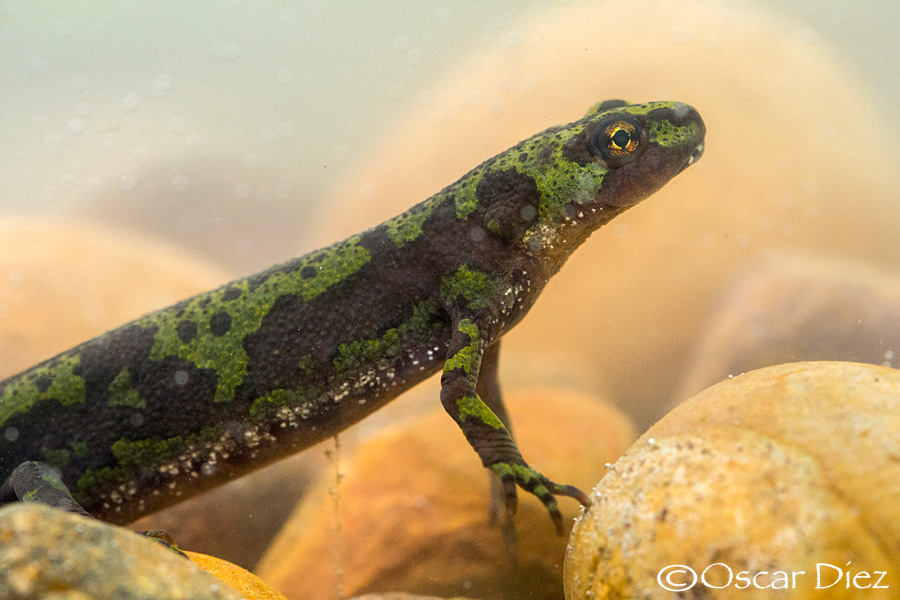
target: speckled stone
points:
(46, 553)
(779, 469)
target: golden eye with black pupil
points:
(617, 140)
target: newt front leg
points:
(482, 427)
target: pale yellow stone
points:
(779, 469)
(245, 582)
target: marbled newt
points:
(223, 383)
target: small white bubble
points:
(242, 248)
(288, 16)
(208, 468)
(810, 187)
(52, 141)
(81, 83)
(131, 102)
(808, 37)
(75, 126)
(232, 51)
(742, 240)
(193, 142)
(267, 136)
(477, 233)
(286, 76)
(401, 43)
(242, 191)
(140, 154)
(251, 161)
(340, 152)
(127, 182)
(682, 35)
(620, 230)
(67, 181)
(888, 355)
(264, 195)
(176, 126)
(179, 183)
(136, 419)
(16, 278)
(64, 28)
(181, 377)
(397, 91)
(36, 64)
(50, 192)
(528, 212)
(415, 56)
(512, 39)
(651, 441)
(95, 186)
(286, 129)
(104, 23)
(164, 82)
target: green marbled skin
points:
(225, 382)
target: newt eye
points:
(617, 141)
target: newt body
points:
(220, 384)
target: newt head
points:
(587, 172)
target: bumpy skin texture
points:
(225, 382)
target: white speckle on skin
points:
(181, 377)
(11, 434)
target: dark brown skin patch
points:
(512, 200)
(186, 331)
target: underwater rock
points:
(410, 511)
(790, 308)
(402, 596)
(790, 469)
(45, 551)
(248, 584)
(96, 275)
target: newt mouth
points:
(695, 155)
